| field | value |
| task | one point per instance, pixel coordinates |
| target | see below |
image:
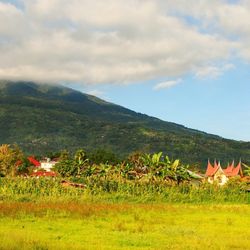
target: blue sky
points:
(219, 106)
(181, 61)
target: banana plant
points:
(125, 169)
(175, 165)
(89, 170)
(104, 169)
(167, 160)
(156, 159)
(80, 161)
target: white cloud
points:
(213, 71)
(167, 84)
(117, 41)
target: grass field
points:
(78, 225)
(114, 214)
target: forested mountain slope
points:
(42, 118)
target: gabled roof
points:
(33, 161)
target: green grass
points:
(78, 225)
(116, 214)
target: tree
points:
(23, 167)
(65, 167)
(10, 159)
(64, 155)
(68, 166)
(103, 156)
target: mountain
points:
(42, 118)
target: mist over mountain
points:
(42, 118)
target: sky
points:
(181, 61)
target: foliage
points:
(103, 156)
(137, 166)
(24, 168)
(140, 165)
(10, 160)
(65, 168)
(247, 169)
(113, 188)
(68, 166)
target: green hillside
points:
(45, 118)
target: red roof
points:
(234, 171)
(33, 161)
(210, 169)
(229, 168)
(230, 171)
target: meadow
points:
(122, 214)
(74, 225)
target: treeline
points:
(100, 163)
(137, 166)
(139, 177)
(14, 162)
(103, 164)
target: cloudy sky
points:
(182, 61)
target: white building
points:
(48, 164)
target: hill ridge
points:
(43, 118)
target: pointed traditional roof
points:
(229, 168)
(219, 165)
(215, 164)
(210, 169)
(230, 171)
(235, 171)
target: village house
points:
(44, 167)
(219, 175)
(47, 164)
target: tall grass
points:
(118, 190)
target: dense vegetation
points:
(141, 177)
(119, 190)
(137, 166)
(43, 119)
